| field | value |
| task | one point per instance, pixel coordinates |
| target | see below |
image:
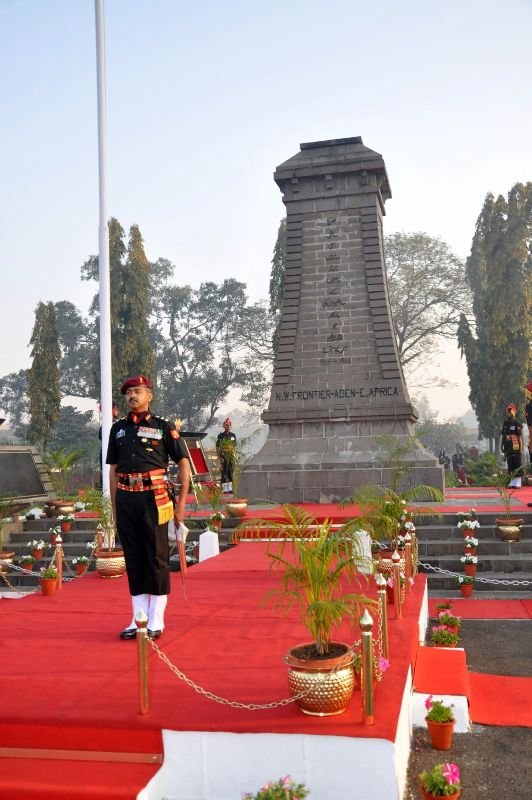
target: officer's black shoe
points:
(154, 634)
(128, 633)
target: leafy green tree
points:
(76, 430)
(497, 345)
(15, 402)
(427, 291)
(78, 341)
(206, 352)
(43, 376)
(447, 435)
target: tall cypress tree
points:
(499, 274)
(136, 354)
(277, 278)
(43, 376)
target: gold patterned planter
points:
(509, 528)
(110, 563)
(328, 683)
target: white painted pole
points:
(103, 238)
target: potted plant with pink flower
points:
(440, 723)
(443, 780)
(283, 789)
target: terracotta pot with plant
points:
(450, 621)
(470, 545)
(81, 564)
(443, 780)
(48, 580)
(440, 723)
(470, 565)
(37, 548)
(441, 636)
(314, 561)
(28, 562)
(466, 584)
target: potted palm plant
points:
(384, 516)
(318, 568)
(508, 526)
(110, 561)
(60, 464)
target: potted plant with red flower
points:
(283, 789)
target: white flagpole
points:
(103, 238)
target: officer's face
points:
(138, 398)
(227, 426)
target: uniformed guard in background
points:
(512, 443)
(226, 450)
(140, 446)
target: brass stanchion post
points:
(408, 560)
(141, 621)
(396, 558)
(383, 610)
(366, 672)
(414, 551)
(59, 562)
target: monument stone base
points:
(325, 461)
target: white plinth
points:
(209, 545)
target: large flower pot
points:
(110, 563)
(8, 557)
(48, 585)
(466, 589)
(470, 570)
(328, 682)
(429, 796)
(237, 506)
(441, 734)
(509, 528)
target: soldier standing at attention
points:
(528, 414)
(512, 443)
(140, 446)
(225, 448)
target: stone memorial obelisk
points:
(338, 382)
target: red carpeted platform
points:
(441, 670)
(471, 608)
(71, 679)
(500, 700)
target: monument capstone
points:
(337, 382)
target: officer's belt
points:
(141, 481)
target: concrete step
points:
(500, 584)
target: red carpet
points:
(471, 608)
(441, 670)
(500, 700)
(73, 683)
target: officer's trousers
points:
(144, 541)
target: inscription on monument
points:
(334, 394)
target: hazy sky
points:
(205, 99)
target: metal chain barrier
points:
(235, 703)
(499, 581)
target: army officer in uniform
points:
(140, 446)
